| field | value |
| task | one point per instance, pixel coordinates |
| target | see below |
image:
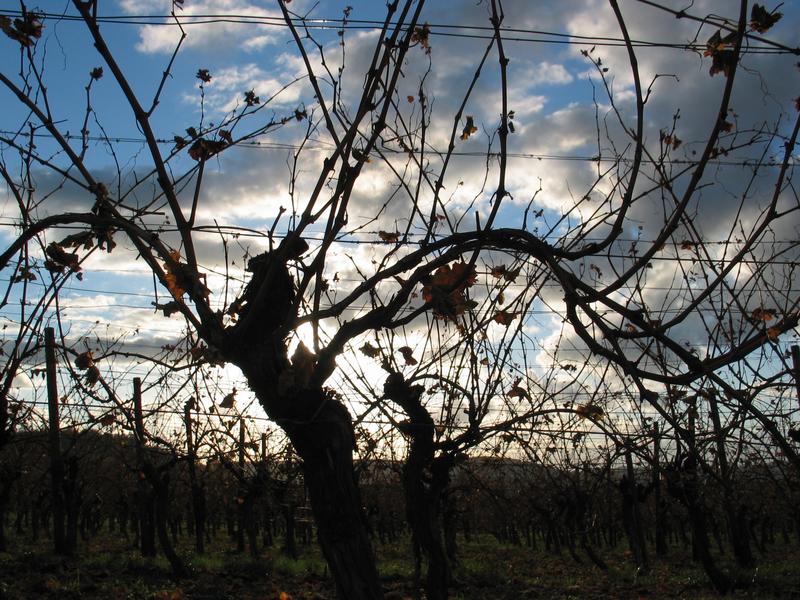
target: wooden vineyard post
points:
(54, 435)
(267, 537)
(636, 534)
(796, 369)
(660, 505)
(737, 525)
(242, 492)
(697, 510)
(147, 525)
(290, 541)
(198, 493)
(153, 493)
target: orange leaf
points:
(25, 31)
(773, 333)
(590, 411)
(387, 236)
(203, 149)
(518, 392)
(459, 275)
(498, 271)
(92, 375)
(226, 135)
(228, 400)
(407, 355)
(763, 314)
(672, 140)
(504, 317)
(421, 36)
(446, 290)
(303, 361)
(761, 20)
(501, 271)
(469, 128)
(84, 361)
(61, 258)
(170, 278)
(370, 350)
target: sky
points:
(558, 53)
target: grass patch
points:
(109, 569)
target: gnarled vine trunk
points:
(313, 417)
(321, 432)
(425, 480)
(326, 448)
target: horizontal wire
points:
(232, 231)
(261, 145)
(318, 236)
(434, 29)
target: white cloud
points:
(225, 92)
(546, 73)
(220, 36)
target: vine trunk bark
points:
(321, 432)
